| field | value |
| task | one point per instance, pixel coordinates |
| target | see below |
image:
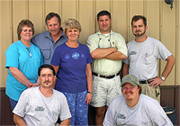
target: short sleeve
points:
(12, 56)
(92, 42)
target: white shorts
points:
(105, 90)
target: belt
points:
(146, 81)
(107, 77)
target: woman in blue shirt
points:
(72, 63)
(22, 61)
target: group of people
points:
(56, 69)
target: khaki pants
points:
(151, 91)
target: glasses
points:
(29, 52)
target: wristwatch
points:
(90, 92)
(163, 78)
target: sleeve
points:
(109, 117)
(158, 115)
(121, 45)
(89, 59)
(20, 107)
(56, 59)
(163, 52)
(12, 56)
(92, 42)
(64, 111)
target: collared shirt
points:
(46, 44)
(98, 40)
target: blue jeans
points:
(78, 108)
(13, 103)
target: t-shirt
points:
(27, 60)
(38, 110)
(147, 112)
(72, 64)
(143, 57)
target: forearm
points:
(56, 68)
(20, 76)
(116, 56)
(125, 69)
(65, 122)
(100, 53)
(169, 65)
(89, 77)
(18, 120)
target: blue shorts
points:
(13, 103)
(78, 108)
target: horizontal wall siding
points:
(163, 23)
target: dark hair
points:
(102, 13)
(46, 66)
(137, 17)
(51, 15)
(23, 23)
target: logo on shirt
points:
(82, 56)
(39, 108)
(133, 53)
(122, 116)
(75, 55)
(67, 56)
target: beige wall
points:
(163, 23)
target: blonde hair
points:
(71, 23)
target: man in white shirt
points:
(41, 106)
(142, 60)
(135, 109)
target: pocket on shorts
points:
(117, 83)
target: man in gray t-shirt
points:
(41, 106)
(135, 109)
(142, 60)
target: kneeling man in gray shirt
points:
(42, 105)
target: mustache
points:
(47, 82)
(54, 30)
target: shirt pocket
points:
(149, 59)
(46, 53)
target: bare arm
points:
(125, 69)
(56, 68)
(100, 53)
(65, 122)
(116, 56)
(169, 65)
(21, 77)
(18, 120)
(89, 83)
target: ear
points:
(146, 27)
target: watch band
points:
(90, 92)
(163, 78)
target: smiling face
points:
(104, 24)
(138, 28)
(53, 26)
(46, 78)
(130, 92)
(72, 34)
(26, 34)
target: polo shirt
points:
(98, 40)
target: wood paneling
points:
(6, 37)
(162, 21)
(167, 33)
(6, 116)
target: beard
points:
(139, 35)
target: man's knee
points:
(100, 111)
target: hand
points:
(88, 98)
(155, 82)
(33, 85)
